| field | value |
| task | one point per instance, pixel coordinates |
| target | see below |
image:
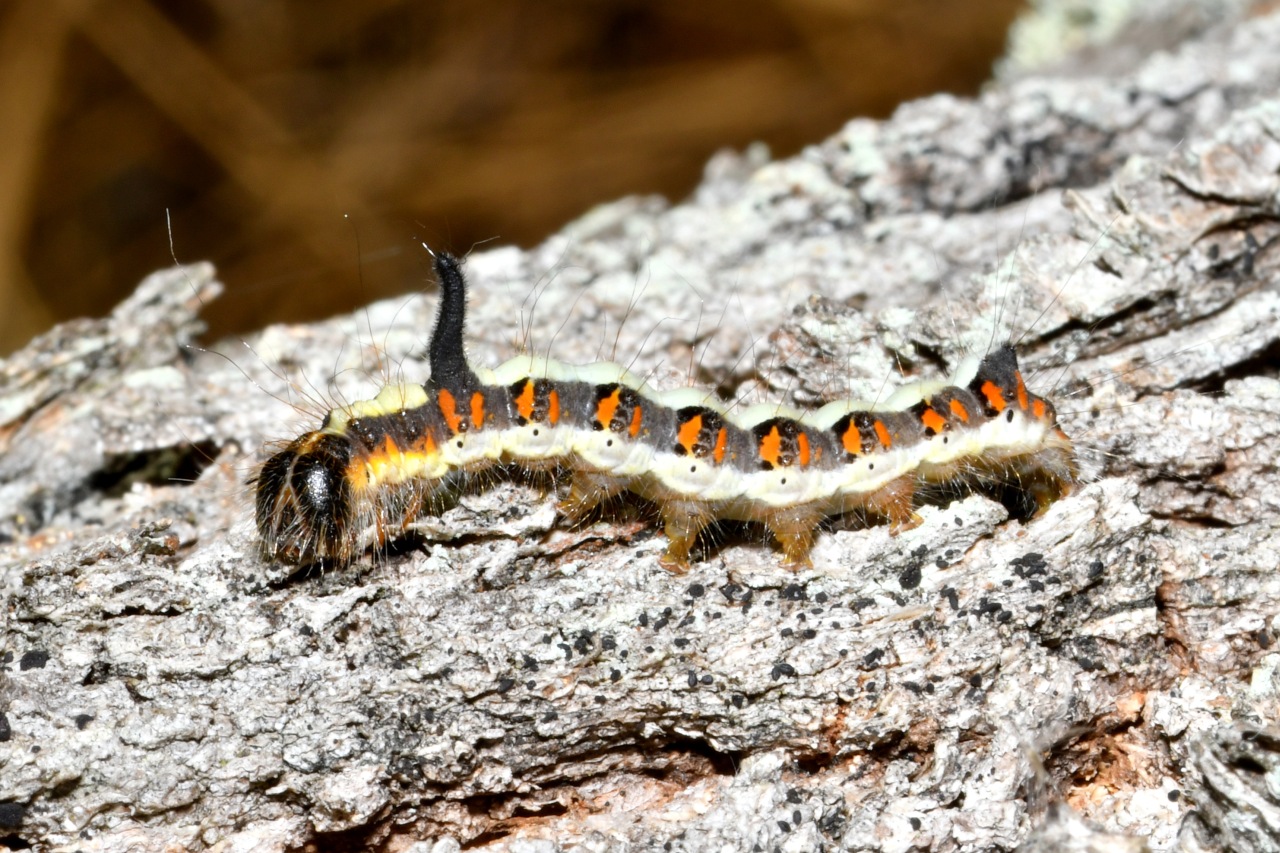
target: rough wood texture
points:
(1098, 679)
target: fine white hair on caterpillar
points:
(374, 467)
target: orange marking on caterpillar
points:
(803, 441)
(449, 408)
(722, 441)
(477, 410)
(958, 409)
(426, 445)
(375, 462)
(607, 408)
(852, 439)
(524, 401)
(1038, 409)
(933, 421)
(995, 397)
(1022, 392)
(636, 416)
(357, 474)
(385, 454)
(882, 433)
(553, 407)
(688, 432)
(771, 448)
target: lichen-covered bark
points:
(1096, 679)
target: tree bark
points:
(1097, 678)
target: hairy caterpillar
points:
(374, 466)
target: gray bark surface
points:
(1102, 677)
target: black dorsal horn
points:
(449, 368)
(1000, 367)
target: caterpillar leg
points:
(1044, 477)
(895, 501)
(587, 490)
(1058, 473)
(413, 507)
(795, 528)
(682, 522)
(1045, 491)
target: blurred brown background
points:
(267, 128)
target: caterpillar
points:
(375, 466)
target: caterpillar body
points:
(374, 467)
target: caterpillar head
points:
(304, 510)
